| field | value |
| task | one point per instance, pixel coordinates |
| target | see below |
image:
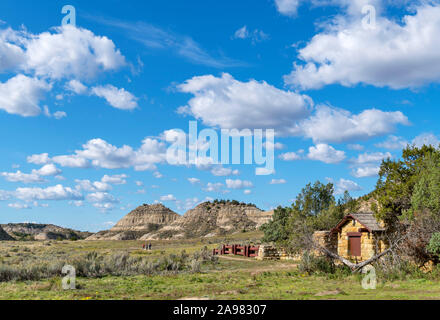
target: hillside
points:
(149, 222)
(146, 218)
(213, 218)
(32, 231)
(4, 236)
(142, 220)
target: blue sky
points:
(85, 110)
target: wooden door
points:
(354, 245)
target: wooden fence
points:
(238, 250)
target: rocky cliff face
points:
(142, 220)
(211, 219)
(4, 236)
(208, 218)
(32, 231)
(260, 217)
(146, 218)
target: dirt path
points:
(234, 258)
(276, 266)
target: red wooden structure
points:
(253, 251)
(238, 250)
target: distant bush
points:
(232, 202)
(167, 234)
(434, 245)
(22, 236)
(195, 266)
(312, 264)
(29, 272)
(393, 267)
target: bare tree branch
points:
(335, 256)
(357, 267)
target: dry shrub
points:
(94, 265)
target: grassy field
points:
(229, 278)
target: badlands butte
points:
(154, 222)
(209, 219)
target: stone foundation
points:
(327, 240)
(268, 252)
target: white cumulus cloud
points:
(22, 177)
(36, 176)
(366, 171)
(102, 200)
(115, 179)
(39, 159)
(345, 185)
(428, 139)
(76, 86)
(21, 95)
(57, 192)
(278, 181)
(326, 154)
(213, 187)
(238, 184)
(288, 7)
(41, 60)
(168, 197)
(194, 180)
(71, 52)
(48, 170)
(19, 206)
(368, 164)
(290, 156)
(395, 54)
(337, 125)
(117, 98)
(232, 104)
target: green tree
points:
(426, 195)
(434, 245)
(328, 218)
(348, 203)
(315, 208)
(314, 199)
(276, 229)
(397, 180)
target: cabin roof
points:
(367, 219)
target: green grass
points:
(221, 285)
